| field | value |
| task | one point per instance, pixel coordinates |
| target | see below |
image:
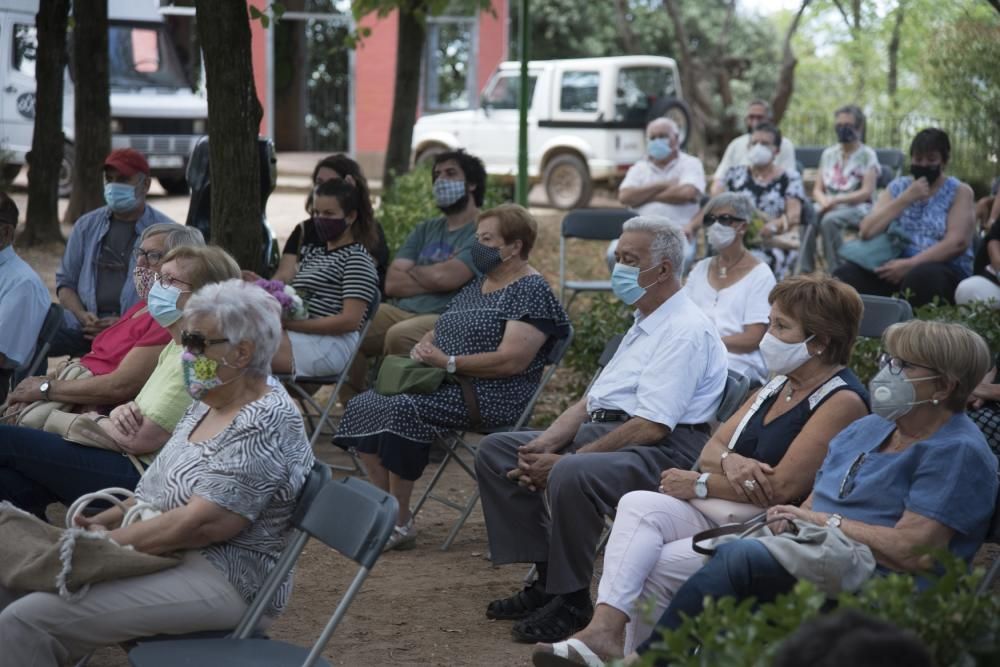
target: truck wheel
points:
(567, 182)
(9, 173)
(677, 111)
(174, 185)
(66, 171)
(427, 153)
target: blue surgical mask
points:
(659, 149)
(120, 197)
(625, 282)
(162, 304)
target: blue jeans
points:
(68, 341)
(741, 569)
(38, 468)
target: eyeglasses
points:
(151, 256)
(850, 478)
(896, 365)
(196, 343)
(726, 219)
(170, 281)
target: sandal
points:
(554, 622)
(519, 605)
(558, 655)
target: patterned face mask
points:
(143, 277)
(201, 374)
(447, 192)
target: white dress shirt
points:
(670, 368)
(687, 169)
(735, 307)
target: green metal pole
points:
(522, 107)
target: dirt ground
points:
(419, 607)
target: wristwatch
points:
(451, 365)
(44, 388)
(834, 521)
(701, 485)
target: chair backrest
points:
(610, 348)
(808, 156)
(367, 515)
(50, 325)
(596, 224)
(552, 360)
(733, 394)
(881, 312)
(892, 158)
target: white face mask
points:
(781, 357)
(760, 155)
(721, 236)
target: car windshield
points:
(639, 88)
(141, 56)
(502, 93)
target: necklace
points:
(724, 270)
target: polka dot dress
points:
(474, 323)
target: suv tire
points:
(677, 111)
(567, 182)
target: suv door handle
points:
(10, 89)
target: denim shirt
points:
(78, 269)
(24, 301)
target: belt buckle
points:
(598, 415)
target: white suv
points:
(586, 121)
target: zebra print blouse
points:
(254, 467)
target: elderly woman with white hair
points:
(647, 411)
(732, 286)
(225, 484)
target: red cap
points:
(128, 161)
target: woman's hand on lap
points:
(678, 483)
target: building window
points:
(450, 73)
(25, 49)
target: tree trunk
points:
(701, 106)
(624, 29)
(786, 77)
(893, 82)
(291, 78)
(47, 140)
(92, 107)
(410, 41)
(234, 115)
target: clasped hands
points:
(534, 463)
(430, 354)
(748, 477)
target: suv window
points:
(639, 87)
(25, 49)
(503, 93)
(578, 91)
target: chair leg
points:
(449, 454)
(991, 575)
(469, 506)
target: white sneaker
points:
(403, 537)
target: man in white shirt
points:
(648, 411)
(736, 154)
(668, 182)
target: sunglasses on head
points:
(711, 219)
(196, 343)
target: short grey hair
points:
(762, 103)
(668, 122)
(739, 202)
(855, 111)
(177, 235)
(668, 239)
(242, 311)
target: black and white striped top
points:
(327, 277)
(255, 467)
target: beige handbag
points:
(35, 414)
(86, 431)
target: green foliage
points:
(957, 626)
(603, 317)
(276, 11)
(410, 200)
(978, 316)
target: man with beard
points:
(737, 152)
(431, 266)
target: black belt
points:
(606, 416)
(701, 428)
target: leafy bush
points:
(410, 200)
(602, 317)
(978, 316)
(957, 626)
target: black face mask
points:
(846, 134)
(931, 173)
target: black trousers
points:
(924, 282)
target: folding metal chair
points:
(733, 394)
(318, 415)
(592, 224)
(881, 312)
(50, 325)
(366, 519)
(454, 444)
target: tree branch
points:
(786, 78)
(624, 29)
(843, 13)
(691, 90)
(995, 4)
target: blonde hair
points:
(515, 224)
(209, 264)
(954, 351)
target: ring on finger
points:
(750, 484)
